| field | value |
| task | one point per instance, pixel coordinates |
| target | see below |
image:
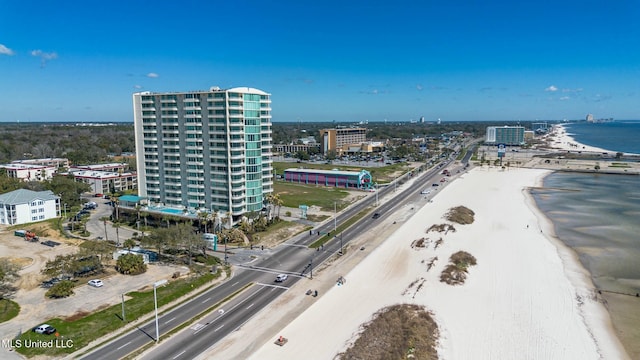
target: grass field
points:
(293, 195)
(8, 310)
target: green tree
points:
(60, 290)
(129, 243)
(8, 275)
(131, 264)
(160, 239)
(188, 239)
(61, 265)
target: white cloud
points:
(551, 88)
(137, 86)
(565, 98)
(44, 56)
(419, 87)
(6, 51)
(152, 75)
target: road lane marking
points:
(235, 283)
(177, 356)
(123, 345)
(273, 286)
(218, 328)
(170, 320)
(250, 306)
(296, 245)
(205, 300)
(197, 327)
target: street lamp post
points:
(335, 215)
(155, 301)
(376, 194)
(226, 262)
(65, 211)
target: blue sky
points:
(325, 60)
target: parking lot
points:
(35, 308)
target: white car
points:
(425, 191)
(44, 329)
(281, 277)
(95, 283)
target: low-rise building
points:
(112, 167)
(24, 206)
(346, 179)
(29, 172)
(55, 162)
(104, 182)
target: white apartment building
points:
(55, 162)
(113, 167)
(207, 150)
(107, 182)
(29, 172)
(24, 206)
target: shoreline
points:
(537, 297)
(563, 140)
(595, 314)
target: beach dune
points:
(528, 297)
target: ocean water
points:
(623, 136)
(597, 216)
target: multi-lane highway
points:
(256, 281)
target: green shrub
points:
(60, 290)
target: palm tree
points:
(278, 203)
(204, 217)
(129, 243)
(116, 225)
(104, 221)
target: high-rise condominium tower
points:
(204, 150)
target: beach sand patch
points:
(461, 215)
(455, 273)
(445, 228)
(403, 331)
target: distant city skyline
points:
(325, 61)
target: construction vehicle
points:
(27, 235)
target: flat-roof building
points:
(335, 139)
(107, 182)
(29, 172)
(346, 179)
(507, 135)
(208, 150)
(55, 162)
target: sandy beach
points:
(528, 296)
(561, 139)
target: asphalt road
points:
(293, 257)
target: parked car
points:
(425, 191)
(44, 329)
(96, 283)
(435, 184)
(281, 277)
(375, 216)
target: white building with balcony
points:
(207, 150)
(24, 206)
